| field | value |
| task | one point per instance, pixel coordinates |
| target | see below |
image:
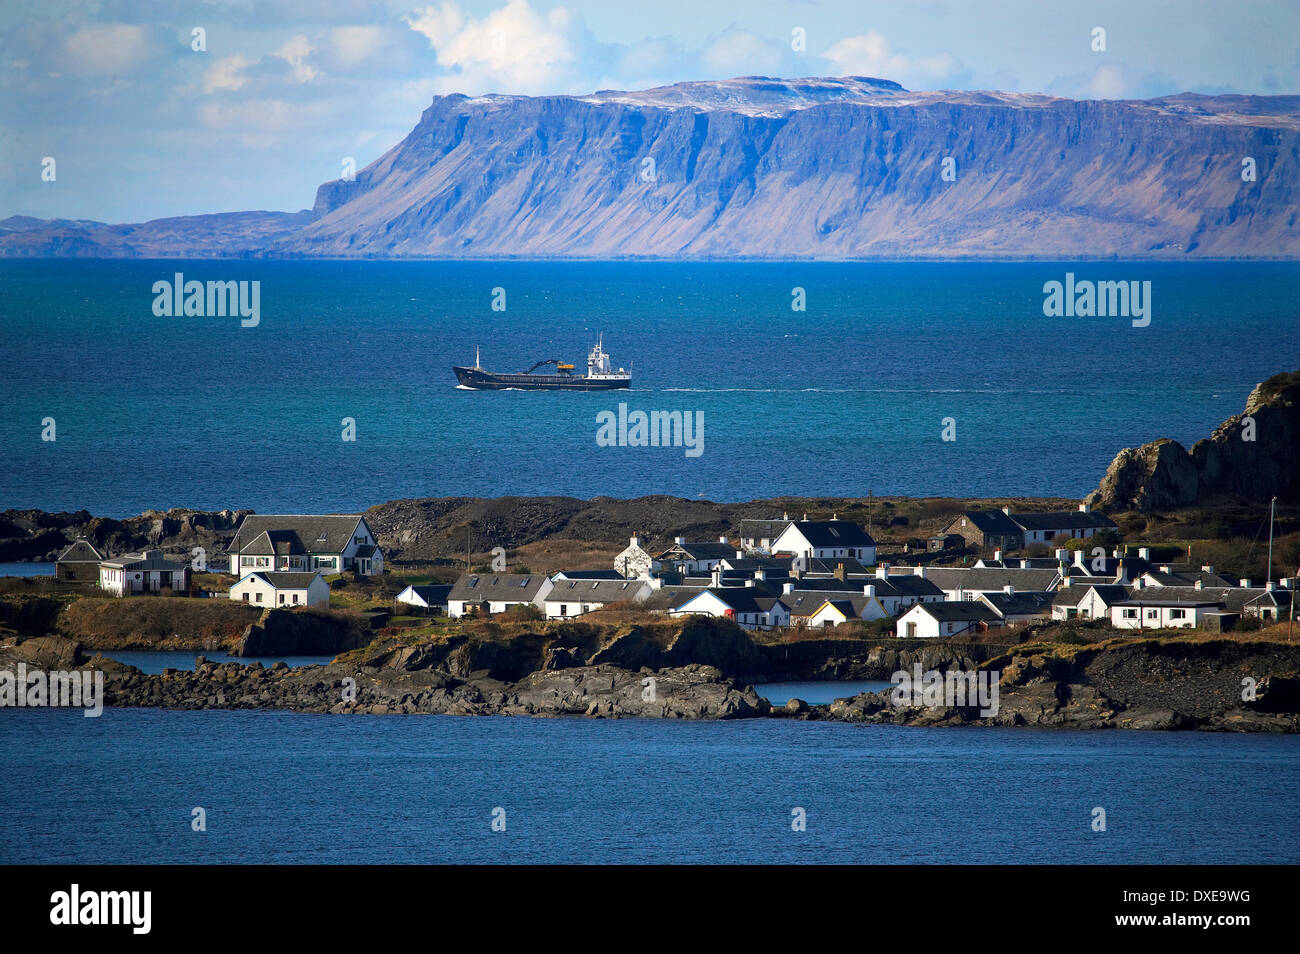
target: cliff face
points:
(820, 168)
(1251, 456)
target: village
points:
(769, 575)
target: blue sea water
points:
(847, 396)
(26, 569)
(289, 788)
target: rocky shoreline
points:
(1143, 684)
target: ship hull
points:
(480, 380)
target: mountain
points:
(224, 235)
(847, 167)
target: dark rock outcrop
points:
(1252, 456)
(302, 633)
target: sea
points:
(282, 787)
(342, 395)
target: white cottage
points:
(298, 543)
(825, 540)
(282, 590)
(145, 572)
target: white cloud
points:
(741, 53)
(295, 52)
(511, 50)
(1108, 82)
(224, 74)
(108, 49)
(351, 45)
(870, 54)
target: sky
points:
(152, 109)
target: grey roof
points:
(763, 528)
(147, 560)
(285, 580)
(745, 599)
(953, 578)
(807, 602)
(963, 611)
(1063, 520)
(700, 551)
(990, 521)
(1071, 595)
(670, 597)
(909, 584)
(850, 606)
(498, 587)
(80, 552)
(432, 593)
(298, 533)
(1019, 604)
(834, 533)
(587, 575)
(831, 565)
(759, 563)
(1233, 597)
(595, 591)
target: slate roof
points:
(587, 575)
(991, 521)
(831, 565)
(1019, 604)
(744, 599)
(699, 551)
(958, 612)
(763, 528)
(298, 533)
(953, 578)
(498, 587)
(1234, 598)
(670, 597)
(432, 593)
(833, 533)
(1071, 595)
(80, 552)
(1063, 520)
(284, 580)
(145, 561)
(594, 591)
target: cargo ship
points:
(600, 376)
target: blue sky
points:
(142, 126)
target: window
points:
(281, 597)
(564, 609)
(1178, 614)
(259, 597)
(295, 597)
(1130, 614)
(1153, 614)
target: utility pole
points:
(1268, 572)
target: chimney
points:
(722, 539)
(869, 589)
(1067, 581)
(749, 581)
(997, 555)
(839, 571)
(717, 574)
(918, 571)
(636, 540)
(882, 571)
(1269, 586)
(1024, 564)
(1144, 553)
(1245, 583)
(1121, 576)
(1007, 511)
(787, 588)
(805, 516)
(740, 554)
(1198, 585)
(679, 539)
(1085, 507)
(1008, 589)
(785, 515)
(1062, 555)
(1207, 569)
(760, 574)
(1115, 554)
(1078, 558)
